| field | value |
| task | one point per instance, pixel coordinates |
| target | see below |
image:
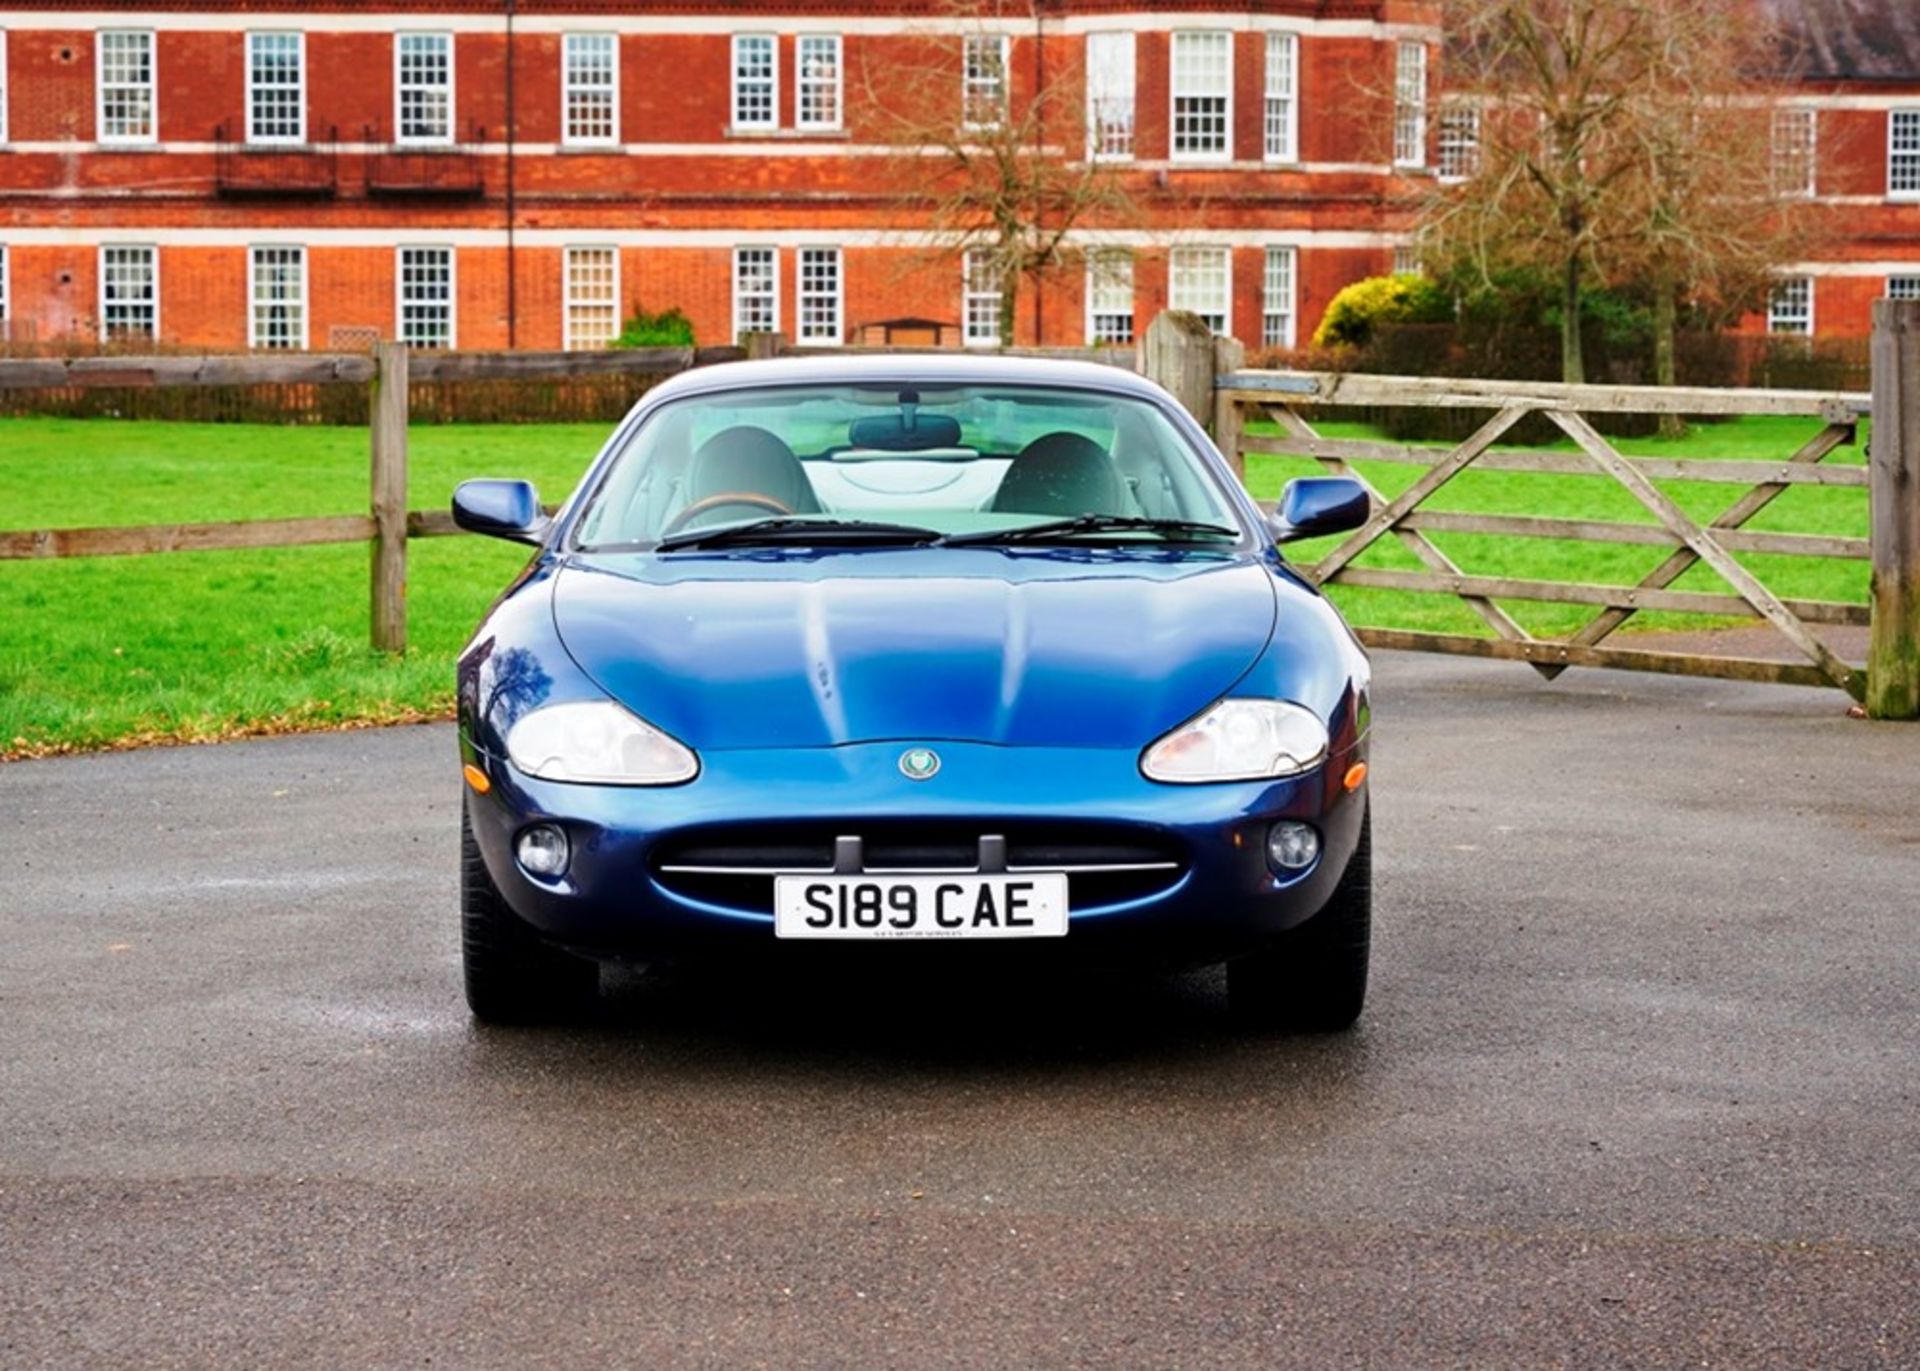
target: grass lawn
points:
(95, 651)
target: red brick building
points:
(1848, 138)
(485, 175)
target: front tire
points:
(511, 976)
(1313, 979)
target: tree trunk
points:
(1573, 360)
(1665, 315)
(1009, 305)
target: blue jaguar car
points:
(915, 652)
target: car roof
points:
(907, 368)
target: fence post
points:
(1229, 356)
(1893, 654)
(762, 346)
(389, 479)
(1177, 354)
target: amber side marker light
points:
(476, 778)
(1355, 775)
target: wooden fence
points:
(1206, 375)
(1889, 683)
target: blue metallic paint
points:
(799, 675)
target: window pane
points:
(593, 304)
(818, 55)
(1110, 94)
(426, 297)
(1791, 308)
(588, 96)
(753, 94)
(1110, 297)
(1903, 152)
(126, 86)
(279, 305)
(1276, 299)
(1903, 287)
(1459, 142)
(276, 107)
(425, 73)
(1282, 138)
(1198, 282)
(820, 295)
(756, 286)
(129, 294)
(1202, 80)
(985, 90)
(980, 299)
(1410, 105)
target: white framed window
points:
(756, 81)
(589, 90)
(592, 318)
(1794, 134)
(819, 81)
(1790, 308)
(1110, 297)
(1903, 154)
(1200, 279)
(426, 298)
(1278, 308)
(1406, 261)
(1459, 142)
(277, 298)
(821, 293)
(1202, 93)
(1282, 117)
(4, 334)
(124, 79)
(1410, 105)
(1903, 287)
(423, 88)
(1110, 95)
(983, 91)
(276, 88)
(980, 299)
(3, 85)
(756, 291)
(129, 291)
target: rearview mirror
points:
(1314, 506)
(500, 509)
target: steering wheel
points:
(750, 498)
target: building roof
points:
(1849, 40)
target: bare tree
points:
(1617, 144)
(1001, 168)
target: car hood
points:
(1061, 648)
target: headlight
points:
(597, 743)
(1239, 740)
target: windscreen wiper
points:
(1062, 530)
(799, 529)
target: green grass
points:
(95, 651)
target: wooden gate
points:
(1286, 398)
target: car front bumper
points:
(1207, 892)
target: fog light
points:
(542, 850)
(1292, 846)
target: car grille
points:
(733, 866)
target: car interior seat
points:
(1063, 474)
(745, 460)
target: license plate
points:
(1030, 905)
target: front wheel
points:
(1313, 979)
(512, 977)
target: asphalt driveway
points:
(1639, 1084)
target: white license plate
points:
(1029, 905)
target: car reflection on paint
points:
(914, 649)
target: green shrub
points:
(670, 329)
(1360, 308)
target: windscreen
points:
(957, 459)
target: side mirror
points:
(1314, 506)
(500, 509)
